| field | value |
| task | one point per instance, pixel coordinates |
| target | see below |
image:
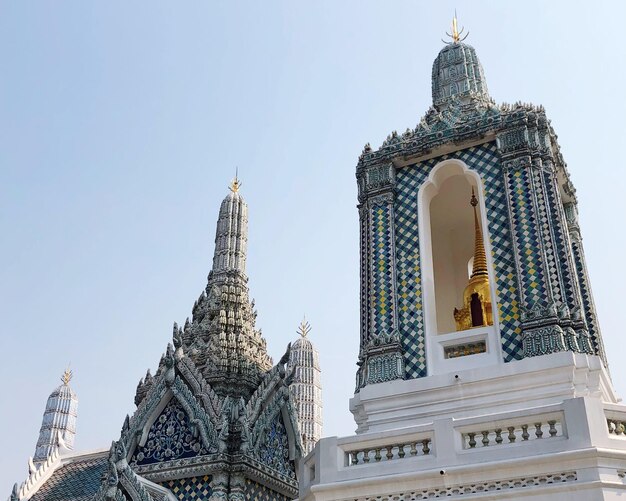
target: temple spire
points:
(222, 338)
(479, 267)
(58, 426)
(231, 236)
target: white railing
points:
(505, 434)
(389, 452)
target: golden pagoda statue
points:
(476, 311)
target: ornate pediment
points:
(179, 416)
(171, 436)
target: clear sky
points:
(121, 124)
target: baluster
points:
(355, 457)
(619, 428)
(553, 430)
(498, 436)
(425, 448)
(389, 454)
(512, 436)
(538, 430)
(413, 449)
(485, 439)
(525, 434)
(401, 452)
(377, 456)
(366, 455)
(472, 440)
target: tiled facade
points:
(543, 299)
(484, 160)
(190, 489)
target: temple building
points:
(218, 420)
(481, 369)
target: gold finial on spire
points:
(235, 183)
(480, 256)
(67, 376)
(304, 328)
(456, 35)
(476, 310)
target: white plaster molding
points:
(531, 382)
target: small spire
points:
(67, 376)
(480, 257)
(304, 328)
(235, 183)
(456, 35)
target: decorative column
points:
(380, 354)
(549, 294)
(589, 308)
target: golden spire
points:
(235, 183)
(456, 35)
(67, 376)
(304, 328)
(479, 267)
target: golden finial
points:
(235, 183)
(67, 376)
(473, 200)
(456, 35)
(304, 328)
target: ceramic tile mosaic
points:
(382, 300)
(258, 492)
(190, 489)
(484, 160)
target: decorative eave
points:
(454, 127)
(520, 129)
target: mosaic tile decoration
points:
(525, 226)
(569, 285)
(588, 306)
(484, 160)
(382, 300)
(190, 489)
(258, 492)
(547, 226)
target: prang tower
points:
(306, 388)
(216, 422)
(481, 368)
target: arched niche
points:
(447, 239)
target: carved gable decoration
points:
(274, 448)
(171, 436)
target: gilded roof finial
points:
(456, 35)
(67, 376)
(235, 183)
(304, 328)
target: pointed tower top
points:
(235, 184)
(67, 376)
(304, 328)
(456, 35)
(458, 77)
(58, 426)
(480, 257)
(231, 236)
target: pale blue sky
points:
(121, 124)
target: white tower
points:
(481, 370)
(58, 427)
(307, 387)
